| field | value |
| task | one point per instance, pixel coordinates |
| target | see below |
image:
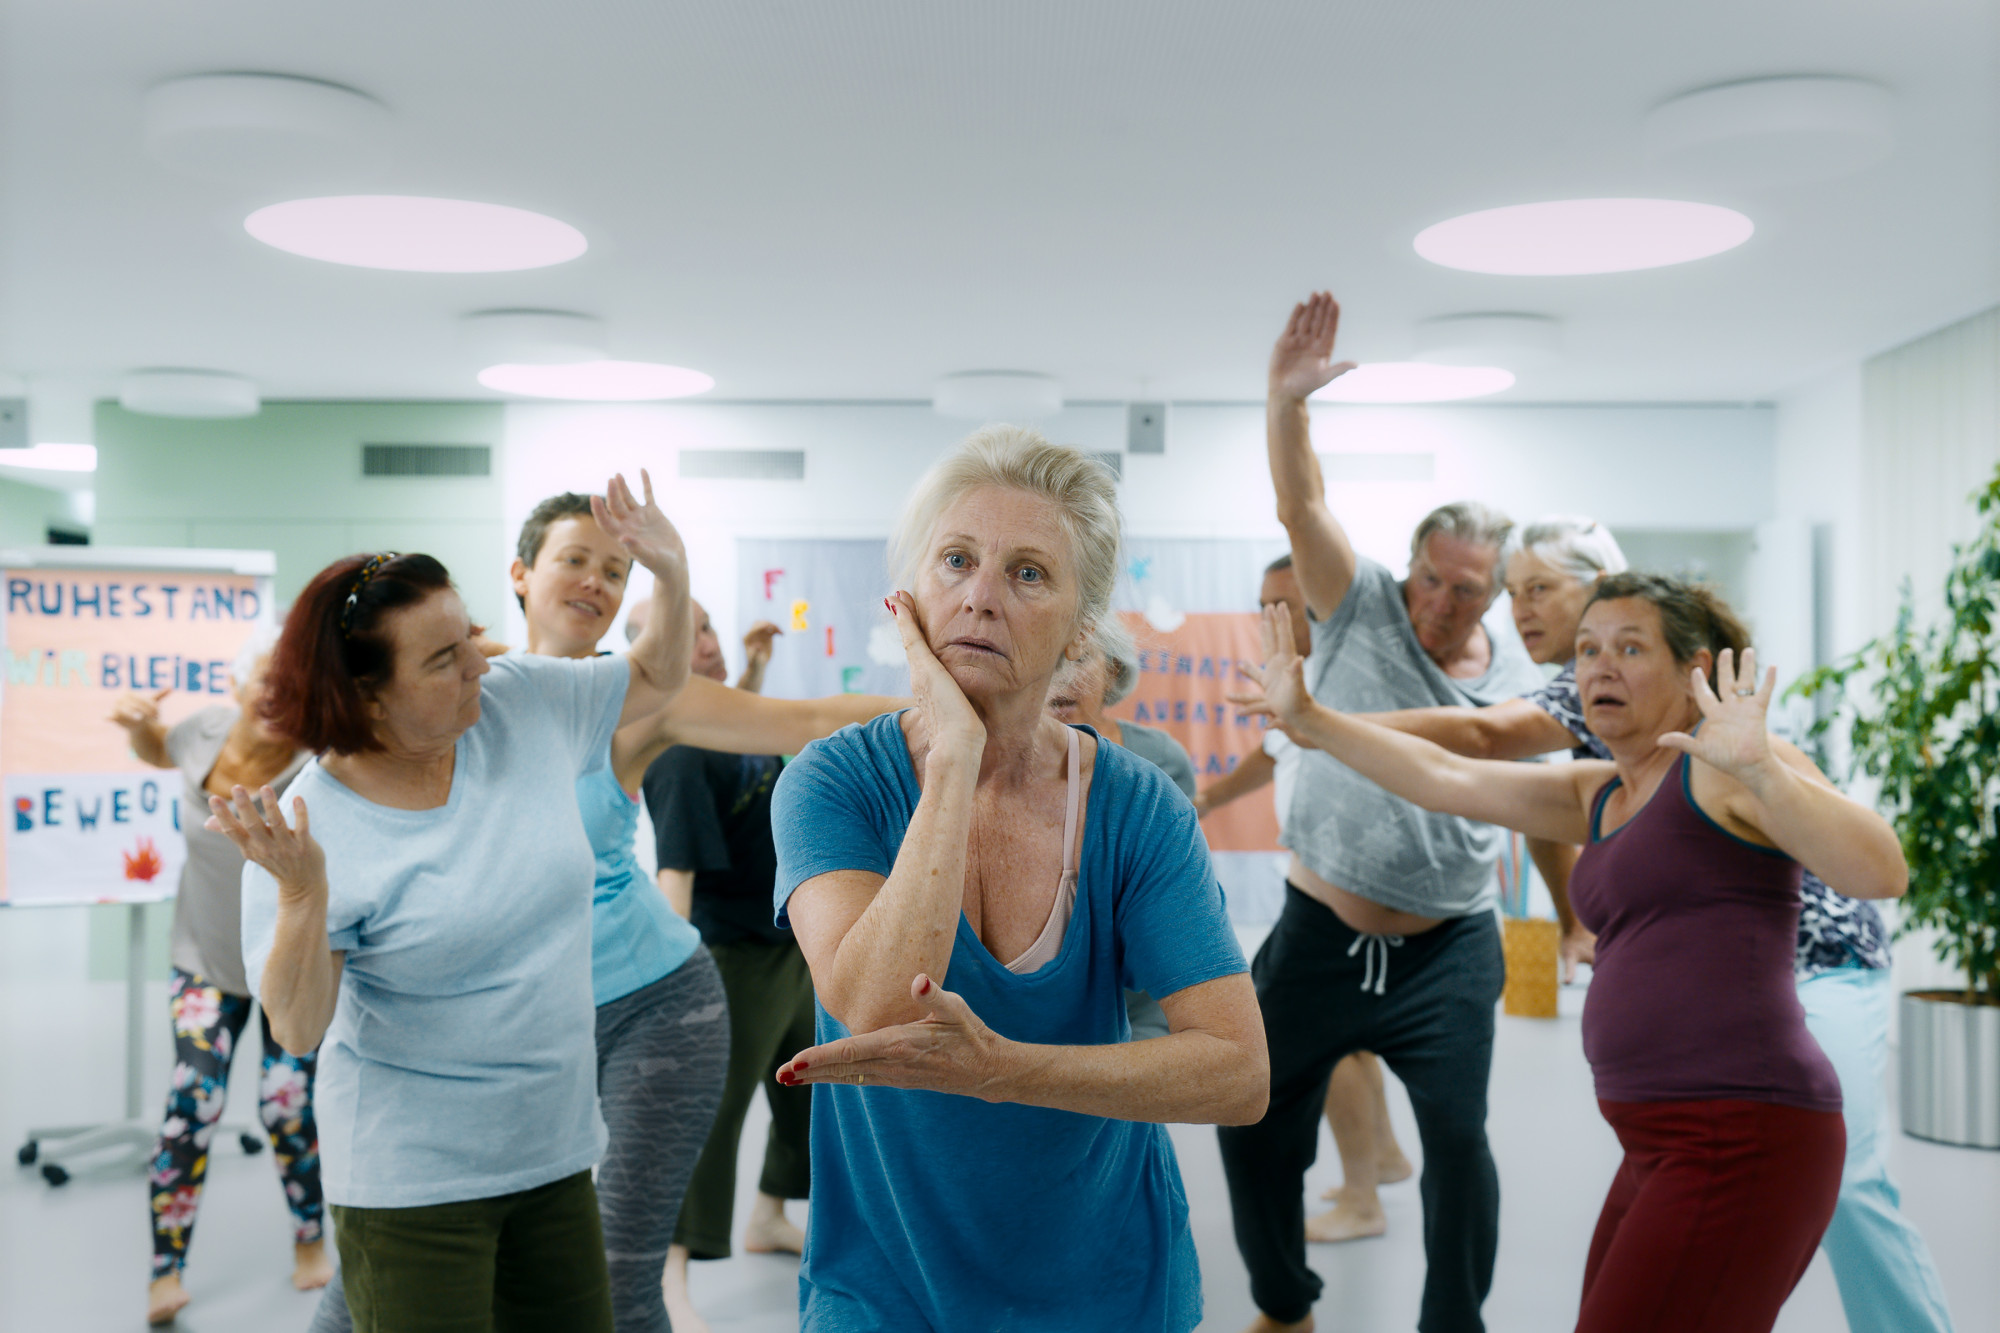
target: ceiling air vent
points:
(426, 460)
(744, 464)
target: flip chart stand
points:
(118, 1146)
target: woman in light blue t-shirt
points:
(988, 1151)
(429, 918)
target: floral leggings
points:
(207, 1025)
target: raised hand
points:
(1735, 731)
(1303, 360)
(1280, 692)
(945, 717)
(643, 529)
(757, 643)
(947, 1050)
(139, 713)
(287, 851)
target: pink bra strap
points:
(1075, 798)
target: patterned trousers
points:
(207, 1025)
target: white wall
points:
(1685, 468)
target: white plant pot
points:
(1950, 1069)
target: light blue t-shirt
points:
(636, 937)
(938, 1212)
(460, 1063)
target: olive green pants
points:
(529, 1262)
(770, 1021)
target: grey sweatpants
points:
(662, 1052)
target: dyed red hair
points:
(332, 656)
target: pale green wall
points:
(289, 480)
(26, 512)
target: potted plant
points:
(1922, 722)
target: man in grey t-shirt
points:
(1387, 941)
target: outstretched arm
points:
(1252, 772)
(1301, 362)
(1778, 794)
(1511, 729)
(712, 716)
(1540, 800)
(1212, 1068)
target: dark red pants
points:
(1712, 1217)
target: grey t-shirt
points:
(1162, 750)
(207, 934)
(1348, 831)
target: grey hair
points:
(1580, 547)
(260, 643)
(1469, 521)
(1121, 659)
(1022, 459)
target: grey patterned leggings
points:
(662, 1052)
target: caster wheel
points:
(252, 1145)
(55, 1175)
(28, 1152)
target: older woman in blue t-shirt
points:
(975, 886)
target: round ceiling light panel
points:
(1516, 342)
(1414, 382)
(1775, 131)
(1566, 237)
(598, 381)
(52, 458)
(259, 126)
(998, 395)
(533, 337)
(188, 393)
(413, 234)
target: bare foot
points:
(681, 1315)
(1263, 1323)
(1347, 1220)
(164, 1299)
(312, 1267)
(1394, 1169)
(773, 1235)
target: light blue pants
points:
(1888, 1283)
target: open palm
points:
(1735, 728)
(1280, 692)
(1302, 360)
(642, 528)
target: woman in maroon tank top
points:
(1694, 837)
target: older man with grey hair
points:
(1387, 941)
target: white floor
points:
(73, 1260)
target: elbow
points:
(301, 1041)
(1249, 1088)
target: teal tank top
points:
(635, 936)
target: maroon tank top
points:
(1692, 996)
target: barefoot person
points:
(1888, 1281)
(431, 919)
(1357, 1103)
(217, 750)
(1387, 940)
(1694, 836)
(975, 885)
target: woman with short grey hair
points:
(1104, 677)
(975, 842)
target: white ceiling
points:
(847, 198)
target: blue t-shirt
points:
(939, 1212)
(460, 1063)
(636, 937)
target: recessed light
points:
(1573, 236)
(1775, 131)
(250, 126)
(413, 234)
(52, 457)
(1414, 382)
(598, 381)
(998, 395)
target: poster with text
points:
(826, 596)
(86, 820)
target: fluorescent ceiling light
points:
(1572, 236)
(1414, 382)
(597, 381)
(52, 457)
(417, 235)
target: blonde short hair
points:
(1580, 547)
(1018, 458)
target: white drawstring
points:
(1374, 974)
